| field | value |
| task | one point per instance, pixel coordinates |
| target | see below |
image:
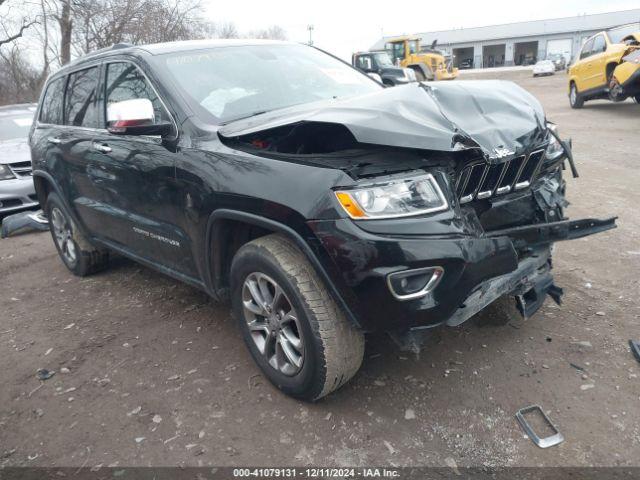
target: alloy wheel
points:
(64, 236)
(273, 323)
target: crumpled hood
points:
(499, 117)
(15, 150)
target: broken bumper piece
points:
(532, 281)
(477, 270)
(529, 283)
(545, 233)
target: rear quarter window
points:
(51, 111)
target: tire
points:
(575, 100)
(419, 75)
(78, 255)
(636, 98)
(327, 347)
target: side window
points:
(364, 62)
(80, 107)
(51, 111)
(599, 45)
(586, 49)
(126, 82)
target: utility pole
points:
(310, 28)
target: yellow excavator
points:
(429, 63)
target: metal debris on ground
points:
(23, 222)
(44, 374)
(545, 442)
(635, 349)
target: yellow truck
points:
(608, 67)
(429, 64)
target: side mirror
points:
(134, 117)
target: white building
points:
(520, 43)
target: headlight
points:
(409, 74)
(554, 150)
(394, 198)
(6, 173)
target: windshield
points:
(15, 125)
(229, 83)
(617, 34)
(383, 59)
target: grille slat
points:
(21, 169)
(482, 180)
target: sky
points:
(345, 26)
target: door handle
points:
(102, 148)
(54, 140)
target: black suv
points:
(320, 203)
(379, 63)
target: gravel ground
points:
(150, 372)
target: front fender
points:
(312, 250)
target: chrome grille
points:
(482, 180)
(21, 169)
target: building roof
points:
(581, 23)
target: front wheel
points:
(420, 77)
(575, 100)
(293, 328)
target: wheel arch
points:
(610, 67)
(426, 71)
(220, 250)
(44, 185)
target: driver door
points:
(133, 177)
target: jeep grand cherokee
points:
(320, 203)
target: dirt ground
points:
(150, 372)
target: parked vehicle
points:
(608, 67)
(16, 185)
(428, 64)
(465, 64)
(544, 67)
(320, 203)
(380, 63)
(559, 61)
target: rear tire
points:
(575, 100)
(294, 330)
(75, 251)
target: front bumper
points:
(477, 270)
(17, 194)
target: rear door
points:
(134, 205)
(45, 142)
(581, 69)
(81, 121)
(598, 61)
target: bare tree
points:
(10, 32)
(274, 32)
(227, 30)
(20, 81)
(102, 23)
(62, 29)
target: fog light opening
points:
(412, 284)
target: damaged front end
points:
(455, 197)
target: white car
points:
(16, 184)
(544, 67)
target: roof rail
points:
(118, 46)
